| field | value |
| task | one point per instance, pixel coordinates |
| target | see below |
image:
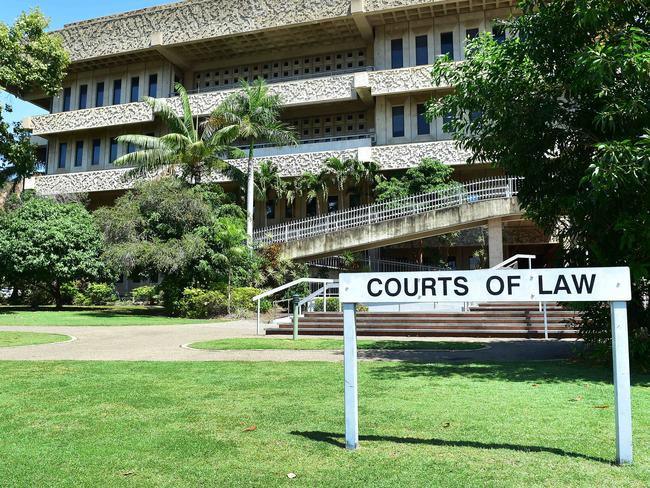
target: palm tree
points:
(253, 114)
(194, 154)
(267, 180)
(366, 175)
(338, 171)
(314, 186)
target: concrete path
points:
(166, 343)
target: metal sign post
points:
(560, 285)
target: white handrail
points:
(512, 260)
(468, 193)
(317, 293)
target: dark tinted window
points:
(113, 153)
(355, 200)
(97, 148)
(311, 207)
(67, 99)
(270, 209)
(397, 53)
(117, 92)
(398, 121)
(423, 124)
(421, 50)
(79, 153)
(99, 95)
(153, 85)
(469, 35)
(135, 89)
(63, 154)
(499, 33)
(332, 204)
(83, 97)
(447, 44)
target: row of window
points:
(100, 92)
(446, 46)
(95, 152)
(311, 206)
(330, 125)
(423, 125)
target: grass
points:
(91, 316)
(77, 424)
(11, 339)
(328, 344)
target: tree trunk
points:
(58, 299)
(250, 195)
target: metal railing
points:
(368, 134)
(468, 193)
(513, 261)
(371, 265)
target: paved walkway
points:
(165, 343)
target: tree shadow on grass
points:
(523, 372)
(338, 441)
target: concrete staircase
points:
(507, 320)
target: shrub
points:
(197, 303)
(242, 300)
(100, 294)
(145, 294)
(332, 305)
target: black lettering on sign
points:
(444, 280)
(501, 285)
(428, 284)
(398, 288)
(583, 283)
(370, 283)
(461, 286)
(562, 285)
(411, 293)
(513, 282)
(542, 291)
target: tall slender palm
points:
(339, 171)
(267, 181)
(254, 115)
(366, 175)
(185, 148)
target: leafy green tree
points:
(353, 173)
(30, 59)
(47, 244)
(428, 176)
(564, 101)
(230, 248)
(267, 181)
(254, 116)
(167, 228)
(195, 153)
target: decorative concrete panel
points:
(375, 5)
(92, 118)
(191, 20)
(409, 155)
(400, 80)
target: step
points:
(515, 333)
(397, 325)
(444, 318)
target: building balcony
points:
(290, 164)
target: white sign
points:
(511, 285)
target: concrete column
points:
(495, 242)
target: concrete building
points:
(353, 76)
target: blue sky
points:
(61, 12)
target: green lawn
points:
(319, 344)
(116, 316)
(11, 339)
(120, 424)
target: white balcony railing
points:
(468, 193)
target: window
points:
(130, 148)
(67, 96)
(424, 128)
(83, 97)
(398, 121)
(469, 35)
(332, 204)
(117, 92)
(447, 44)
(97, 150)
(113, 153)
(135, 89)
(270, 209)
(446, 120)
(153, 85)
(79, 153)
(421, 50)
(499, 33)
(99, 95)
(397, 53)
(63, 154)
(355, 200)
(312, 207)
(288, 211)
